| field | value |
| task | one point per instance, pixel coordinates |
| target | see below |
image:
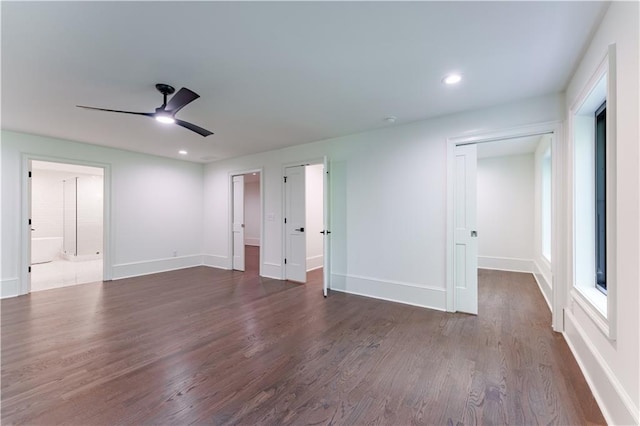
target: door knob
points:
(474, 233)
(300, 229)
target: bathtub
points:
(45, 249)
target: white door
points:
(466, 241)
(296, 241)
(238, 223)
(326, 273)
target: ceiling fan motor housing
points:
(165, 89)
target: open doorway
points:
(67, 224)
(306, 223)
(514, 207)
(512, 227)
(246, 221)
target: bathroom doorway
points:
(67, 224)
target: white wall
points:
(89, 209)
(542, 266)
(612, 367)
(388, 201)
(47, 203)
(313, 211)
(252, 213)
(156, 206)
(47, 208)
(505, 212)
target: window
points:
(589, 194)
(593, 136)
(601, 197)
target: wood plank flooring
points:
(206, 346)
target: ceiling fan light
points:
(165, 118)
(452, 79)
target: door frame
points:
(311, 162)
(25, 209)
(559, 208)
(230, 215)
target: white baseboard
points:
(215, 261)
(617, 406)
(393, 291)
(252, 242)
(315, 262)
(272, 270)
(135, 269)
(9, 287)
(544, 285)
(505, 264)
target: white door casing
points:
(326, 273)
(238, 223)
(296, 242)
(465, 234)
(29, 223)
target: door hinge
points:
(285, 261)
(285, 220)
(29, 269)
(29, 174)
(29, 221)
(285, 179)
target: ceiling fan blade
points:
(194, 128)
(148, 114)
(180, 99)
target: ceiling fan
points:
(166, 112)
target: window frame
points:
(600, 308)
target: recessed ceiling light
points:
(452, 79)
(182, 152)
(391, 119)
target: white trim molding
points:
(136, 269)
(600, 308)
(505, 264)
(9, 287)
(272, 270)
(544, 284)
(393, 291)
(315, 262)
(618, 408)
(216, 261)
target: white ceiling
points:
(274, 74)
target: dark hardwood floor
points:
(208, 346)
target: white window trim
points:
(543, 158)
(601, 308)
